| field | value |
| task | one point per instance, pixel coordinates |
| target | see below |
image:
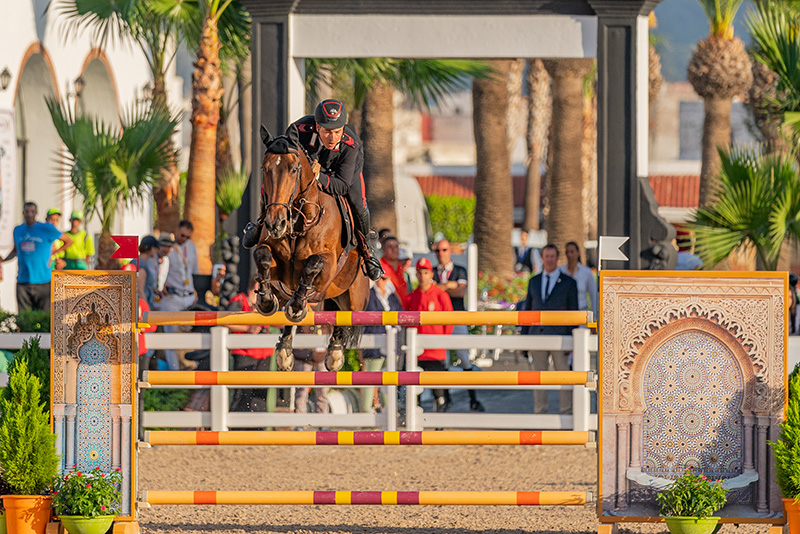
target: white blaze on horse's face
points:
(280, 185)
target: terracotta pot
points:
(792, 507)
(77, 524)
(691, 525)
(27, 514)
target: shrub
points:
(89, 494)
(33, 321)
(787, 448)
(692, 495)
(38, 364)
(165, 400)
(452, 216)
(27, 446)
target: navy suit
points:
(563, 297)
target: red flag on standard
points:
(128, 246)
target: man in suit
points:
(526, 258)
(551, 290)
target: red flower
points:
(102, 508)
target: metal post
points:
(472, 277)
(580, 395)
(412, 417)
(219, 394)
(390, 392)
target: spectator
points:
(33, 242)
(428, 297)
(57, 262)
(165, 244)
(53, 216)
(583, 276)
(311, 360)
(404, 257)
(391, 265)
(244, 399)
(147, 265)
(144, 354)
(550, 290)
(383, 233)
(452, 279)
(80, 253)
(794, 328)
(382, 297)
(179, 291)
(526, 258)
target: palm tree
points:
(540, 107)
(565, 184)
(155, 36)
(774, 27)
(113, 167)
(755, 205)
(494, 206)
(589, 154)
(719, 69)
(218, 21)
(372, 83)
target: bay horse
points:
(300, 254)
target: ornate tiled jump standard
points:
(692, 375)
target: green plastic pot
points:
(691, 525)
(77, 524)
(3, 529)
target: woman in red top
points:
(249, 400)
(428, 297)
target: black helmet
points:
(331, 114)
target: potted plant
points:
(4, 490)
(87, 503)
(787, 454)
(687, 503)
(28, 456)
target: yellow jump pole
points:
(446, 437)
(403, 318)
(363, 378)
(457, 498)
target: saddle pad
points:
(348, 226)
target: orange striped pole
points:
(363, 378)
(447, 437)
(447, 498)
(364, 318)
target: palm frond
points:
(720, 14)
(230, 189)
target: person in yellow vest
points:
(79, 254)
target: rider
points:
(338, 157)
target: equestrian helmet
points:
(330, 114)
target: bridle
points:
(298, 197)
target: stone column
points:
(636, 441)
(748, 422)
(623, 445)
(116, 447)
(70, 411)
(762, 505)
(125, 443)
(58, 430)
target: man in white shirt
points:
(179, 291)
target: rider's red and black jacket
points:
(341, 168)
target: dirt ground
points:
(406, 468)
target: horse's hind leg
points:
(296, 307)
(266, 301)
(284, 357)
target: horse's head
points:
(286, 173)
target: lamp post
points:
(5, 78)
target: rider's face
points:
(330, 138)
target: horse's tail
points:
(351, 336)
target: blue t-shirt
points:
(34, 244)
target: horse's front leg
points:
(334, 360)
(266, 301)
(296, 306)
(284, 357)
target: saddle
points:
(349, 237)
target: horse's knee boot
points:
(252, 232)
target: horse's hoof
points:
(334, 361)
(293, 315)
(251, 235)
(285, 358)
(267, 305)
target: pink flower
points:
(103, 475)
(103, 508)
(88, 486)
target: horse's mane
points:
(282, 145)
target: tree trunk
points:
(716, 134)
(539, 112)
(105, 248)
(165, 193)
(245, 108)
(494, 205)
(515, 116)
(589, 166)
(377, 127)
(200, 183)
(565, 219)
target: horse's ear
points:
(266, 137)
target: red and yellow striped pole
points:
(446, 437)
(457, 498)
(370, 318)
(363, 378)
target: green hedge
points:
(452, 216)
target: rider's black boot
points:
(252, 232)
(371, 263)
